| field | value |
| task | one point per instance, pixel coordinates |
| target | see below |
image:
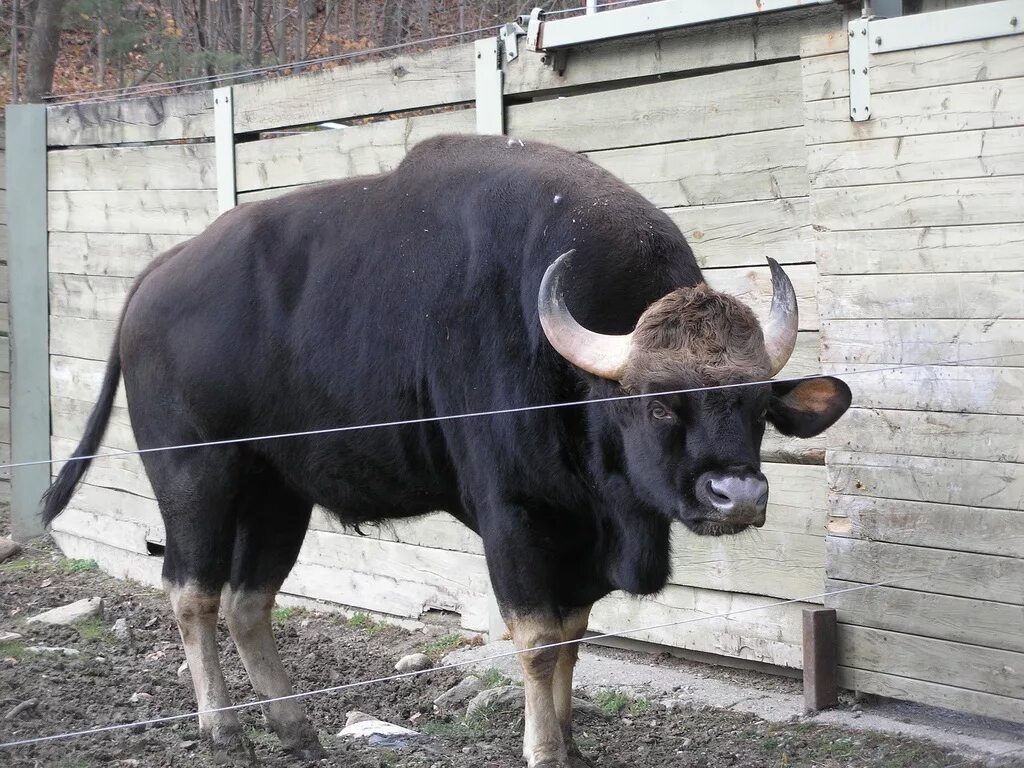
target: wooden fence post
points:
(29, 311)
(820, 659)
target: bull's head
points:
(696, 456)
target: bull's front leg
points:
(574, 625)
(543, 742)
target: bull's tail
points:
(59, 494)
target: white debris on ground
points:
(69, 614)
(40, 649)
(359, 725)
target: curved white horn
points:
(600, 354)
(783, 319)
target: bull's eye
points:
(763, 415)
(661, 412)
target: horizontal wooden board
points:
(119, 505)
(157, 166)
(753, 285)
(98, 527)
(924, 524)
(438, 530)
(987, 437)
(120, 563)
(184, 212)
(354, 150)
(718, 104)
(923, 478)
(991, 670)
(981, 295)
(91, 297)
(737, 234)
(5, 354)
(764, 631)
(766, 165)
(108, 254)
(391, 577)
(828, 77)
(981, 622)
(974, 248)
(954, 202)
(77, 337)
(79, 379)
(394, 84)
(149, 119)
(113, 473)
(950, 388)
(995, 152)
(754, 39)
(935, 694)
(942, 109)
(971, 342)
(942, 571)
(68, 418)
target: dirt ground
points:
(116, 680)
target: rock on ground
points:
(455, 699)
(53, 649)
(121, 630)
(69, 614)
(414, 662)
(378, 733)
(9, 549)
(497, 698)
(6, 637)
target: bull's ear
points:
(808, 407)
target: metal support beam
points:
(29, 310)
(224, 147)
(650, 17)
(490, 107)
(869, 36)
(821, 689)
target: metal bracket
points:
(533, 28)
(873, 35)
(509, 36)
(224, 147)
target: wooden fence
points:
(902, 235)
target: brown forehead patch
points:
(696, 336)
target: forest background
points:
(76, 48)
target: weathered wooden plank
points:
(118, 505)
(832, 39)
(936, 694)
(118, 562)
(828, 77)
(922, 524)
(405, 82)
(354, 150)
(80, 379)
(942, 109)
(982, 295)
(953, 388)
(77, 337)
(5, 354)
(914, 342)
(391, 577)
(92, 297)
(924, 478)
(128, 535)
(156, 166)
(68, 418)
(185, 212)
(117, 473)
(437, 530)
(766, 165)
(155, 118)
(753, 285)
(5, 425)
(955, 202)
(943, 571)
(995, 152)
(735, 234)
(5, 389)
(985, 437)
(977, 248)
(981, 622)
(111, 254)
(770, 634)
(718, 104)
(742, 41)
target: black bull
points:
(415, 294)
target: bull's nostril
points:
(718, 491)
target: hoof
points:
(300, 740)
(233, 748)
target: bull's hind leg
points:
(271, 524)
(574, 625)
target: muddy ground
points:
(116, 679)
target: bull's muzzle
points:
(736, 498)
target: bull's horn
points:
(598, 353)
(780, 330)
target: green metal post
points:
(29, 310)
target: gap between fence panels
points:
(454, 665)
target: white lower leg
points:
(248, 619)
(196, 614)
(542, 740)
(574, 626)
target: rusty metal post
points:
(821, 689)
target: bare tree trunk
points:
(243, 30)
(355, 20)
(202, 18)
(14, 51)
(303, 42)
(101, 51)
(280, 41)
(42, 50)
(257, 33)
